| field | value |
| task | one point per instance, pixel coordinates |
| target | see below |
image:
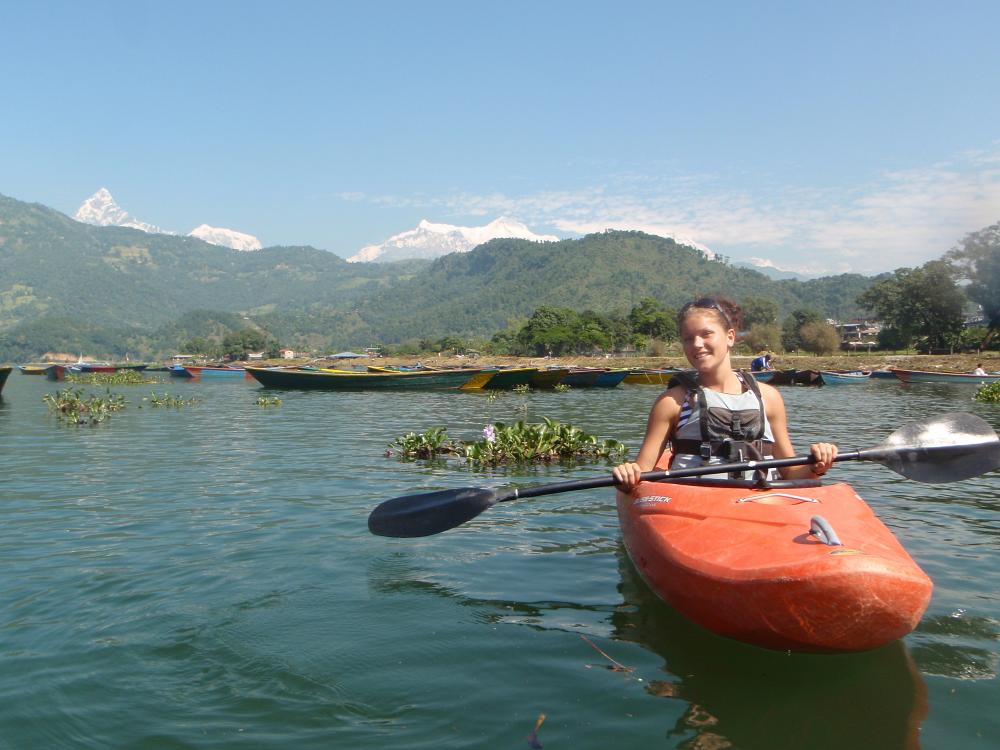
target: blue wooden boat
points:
(226, 371)
(775, 377)
(582, 377)
(4, 374)
(594, 377)
(611, 378)
(350, 380)
(179, 371)
(843, 378)
(883, 375)
(925, 376)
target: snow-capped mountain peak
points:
(226, 237)
(431, 240)
(101, 210)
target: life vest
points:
(727, 427)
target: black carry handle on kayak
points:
(946, 448)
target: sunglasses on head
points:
(706, 303)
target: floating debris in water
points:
(533, 740)
(617, 666)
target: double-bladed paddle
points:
(946, 448)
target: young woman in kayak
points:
(717, 416)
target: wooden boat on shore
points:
(225, 371)
(650, 377)
(803, 567)
(359, 381)
(4, 374)
(844, 378)
(548, 378)
(926, 376)
(32, 369)
(886, 374)
(594, 377)
(507, 378)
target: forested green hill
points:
(467, 294)
(73, 287)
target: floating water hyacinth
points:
(516, 443)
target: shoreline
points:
(865, 361)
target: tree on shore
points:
(924, 303)
(763, 337)
(759, 311)
(819, 337)
(791, 329)
(977, 260)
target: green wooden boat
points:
(548, 378)
(510, 377)
(4, 374)
(349, 380)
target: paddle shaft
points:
(661, 474)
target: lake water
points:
(203, 578)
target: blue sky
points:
(820, 136)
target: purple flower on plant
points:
(490, 434)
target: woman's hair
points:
(727, 312)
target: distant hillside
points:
(51, 265)
(70, 286)
(470, 294)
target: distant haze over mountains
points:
(768, 268)
(101, 210)
(431, 240)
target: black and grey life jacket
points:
(727, 434)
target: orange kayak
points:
(757, 565)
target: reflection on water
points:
(743, 696)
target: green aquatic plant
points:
(72, 406)
(989, 393)
(515, 443)
(173, 402)
(268, 401)
(427, 444)
(522, 388)
(522, 442)
(561, 388)
(119, 377)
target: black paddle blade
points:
(429, 513)
(948, 448)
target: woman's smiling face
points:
(706, 340)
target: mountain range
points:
(71, 286)
(431, 240)
(102, 210)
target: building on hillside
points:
(858, 334)
(255, 355)
(286, 353)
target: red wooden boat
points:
(760, 566)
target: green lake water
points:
(203, 578)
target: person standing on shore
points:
(718, 408)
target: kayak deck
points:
(752, 564)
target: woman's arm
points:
(774, 407)
(659, 427)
